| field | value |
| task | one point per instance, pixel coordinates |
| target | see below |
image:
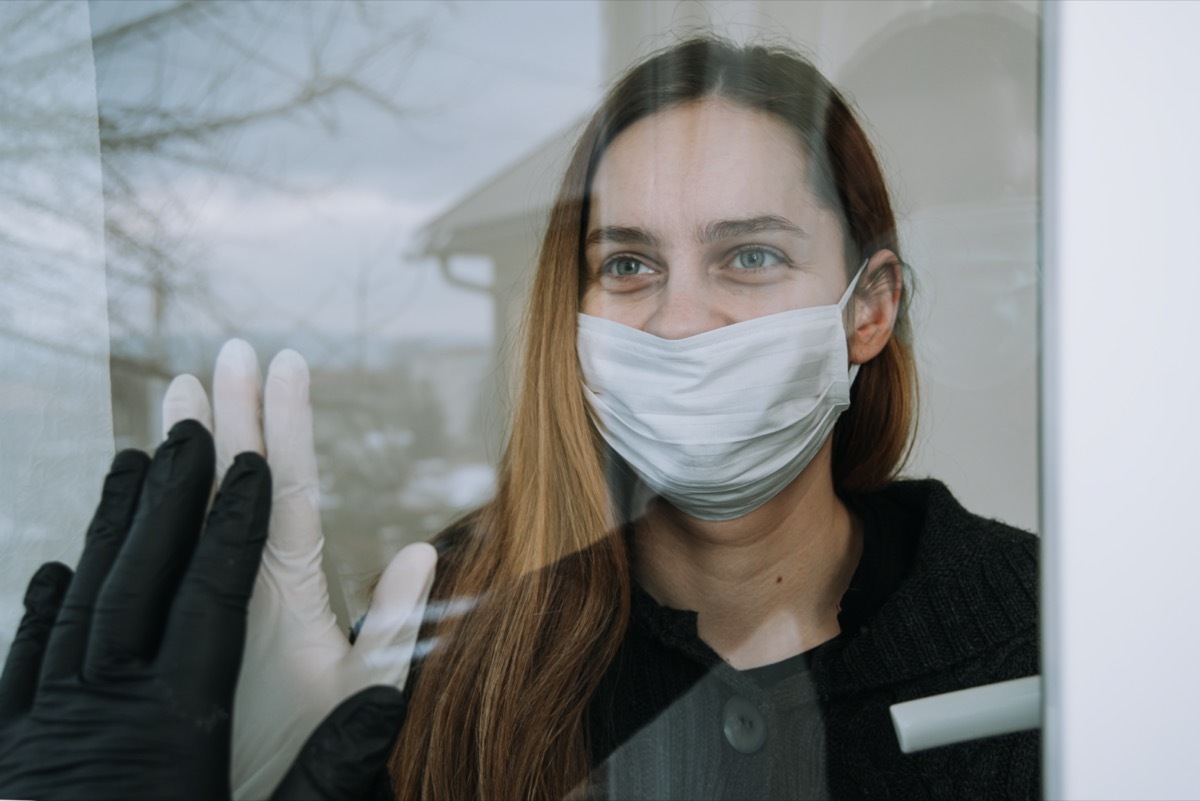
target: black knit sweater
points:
(942, 600)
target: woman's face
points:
(700, 217)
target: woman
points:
(699, 577)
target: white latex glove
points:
(298, 664)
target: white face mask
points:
(718, 423)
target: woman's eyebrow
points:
(731, 229)
(622, 235)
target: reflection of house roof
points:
(512, 203)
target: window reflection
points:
(271, 173)
(368, 183)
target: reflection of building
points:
(949, 92)
(502, 220)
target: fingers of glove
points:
(295, 543)
(133, 602)
(105, 536)
(237, 403)
(296, 528)
(344, 757)
(185, 399)
(389, 631)
(206, 631)
(43, 597)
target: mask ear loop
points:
(853, 285)
(842, 309)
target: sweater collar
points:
(971, 585)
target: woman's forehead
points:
(691, 165)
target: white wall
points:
(1120, 404)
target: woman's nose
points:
(684, 309)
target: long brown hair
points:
(499, 709)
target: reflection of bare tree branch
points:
(163, 131)
(155, 23)
(177, 126)
(180, 88)
(178, 85)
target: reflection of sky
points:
(487, 85)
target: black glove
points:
(120, 681)
(345, 758)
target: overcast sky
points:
(488, 84)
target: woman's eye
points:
(755, 259)
(625, 266)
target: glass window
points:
(370, 184)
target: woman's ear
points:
(874, 307)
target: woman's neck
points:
(766, 585)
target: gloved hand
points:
(120, 681)
(298, 664)
(115, 694)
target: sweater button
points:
(745, 728)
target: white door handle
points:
(1001, 708)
